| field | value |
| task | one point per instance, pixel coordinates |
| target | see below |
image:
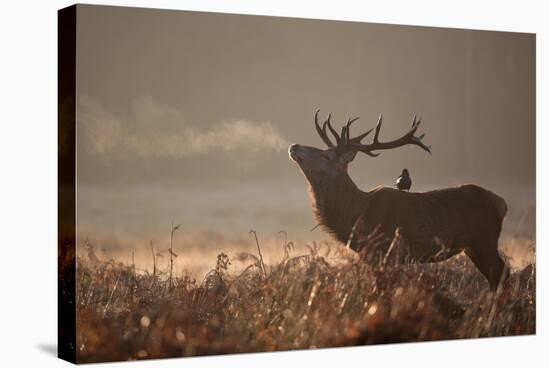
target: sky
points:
(187, 116)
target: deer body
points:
(433, 225)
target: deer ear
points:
(347, 156)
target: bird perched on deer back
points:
(404, 181)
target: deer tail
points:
(499, 203)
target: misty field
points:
(326, 298)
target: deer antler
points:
(323, 131)
(345, 142)
(407, 138)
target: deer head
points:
(319, 165)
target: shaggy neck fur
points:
(336, 204)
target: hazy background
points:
(186, 117)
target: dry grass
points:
(301, 303)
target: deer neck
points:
(336, 204)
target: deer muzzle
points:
(293, 152)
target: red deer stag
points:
(432, 226)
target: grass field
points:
(326, 298)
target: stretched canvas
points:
(236, 184)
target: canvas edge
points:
(66, 292)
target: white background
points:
(28, 180)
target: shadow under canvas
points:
(50, 349)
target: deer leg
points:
(489, 263)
